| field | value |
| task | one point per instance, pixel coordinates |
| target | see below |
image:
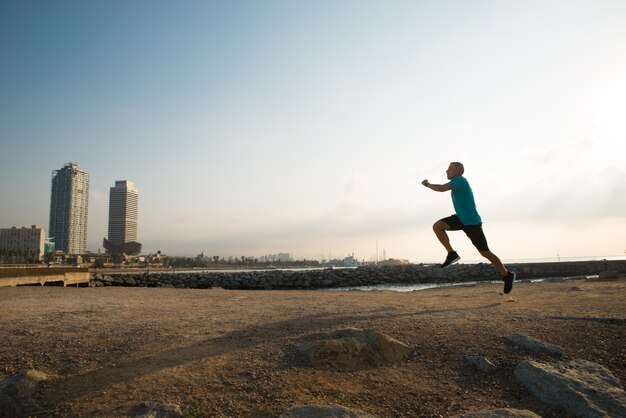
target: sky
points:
(258, 127)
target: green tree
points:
(48, 257)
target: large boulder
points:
(16, 393)
(500, 413)
(580, 387)
(355, 348)
(537, 346)
(323, 411)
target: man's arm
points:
(437, 187)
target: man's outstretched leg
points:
(440, 228)
(507, 276)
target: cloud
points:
(352, 183)
(540, 157)
(344, 223)
(592, 193)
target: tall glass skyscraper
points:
(68, 209)
(123, 200)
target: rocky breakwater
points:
(305, 279)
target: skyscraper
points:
(68, 209)
(123, 200)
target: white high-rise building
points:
(123, 199)
(68, 209)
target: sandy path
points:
(235, 353)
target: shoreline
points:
(426, 286)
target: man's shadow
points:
(71, 387)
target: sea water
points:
(424, 286)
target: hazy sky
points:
(255, 127)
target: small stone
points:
(151, 409)
(323, 411)
(481, 363)
(500, 413)
(532, 344)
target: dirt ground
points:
(235, 353)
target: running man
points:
(466, 219)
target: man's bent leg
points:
(440, 228)
(476, 234)
(495, 261)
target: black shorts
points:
(474, 232)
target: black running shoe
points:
(452, 258)
(508, 281)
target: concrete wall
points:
(64, 276)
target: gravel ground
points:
(235, 353)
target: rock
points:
(534, 345)
(500, 413)
(16, 392)
(481, 363)
(117, 280)
(323, 411)
(580, 387)
(151, 409)
(355, 348)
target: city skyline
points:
(258, 128)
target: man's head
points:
(455, 170)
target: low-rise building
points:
(393, 262)
(280, 257)
(24, 243)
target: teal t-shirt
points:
(463, 201)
